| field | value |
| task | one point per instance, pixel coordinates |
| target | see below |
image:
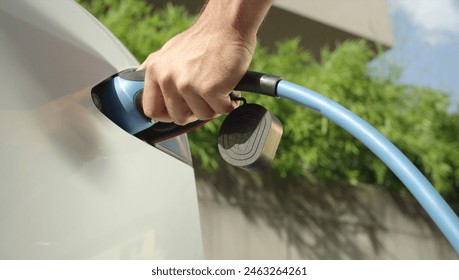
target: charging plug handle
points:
(252, 81)
(260, 83)
(256, 82)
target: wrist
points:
(239, 17)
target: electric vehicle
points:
(73, 185)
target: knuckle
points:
(207, 91)
(185, 86)
(153, 113)
(180, 120)
(166, 81)
(225, 109)
(207, 115)
(150, 113)
(213, 94)
(150, 61)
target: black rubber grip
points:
(257, 82)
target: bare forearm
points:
(244, 17)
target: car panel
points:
(73, 185)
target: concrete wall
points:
(363, 18)
(259, 216)
(318, 22)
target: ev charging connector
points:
(249, 136)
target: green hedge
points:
(414, 118)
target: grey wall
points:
(362, 20)
(247, 216)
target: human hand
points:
(191, 76)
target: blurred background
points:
(393, 63)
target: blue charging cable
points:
(404, 169)
(118, 98)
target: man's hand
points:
(191, 76)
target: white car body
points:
(73, 185)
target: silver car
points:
(74, 185)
